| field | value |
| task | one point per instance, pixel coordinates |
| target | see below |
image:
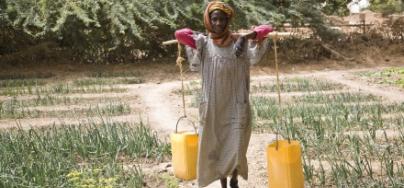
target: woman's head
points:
(217, 17)
(218, 21)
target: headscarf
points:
(225, 38)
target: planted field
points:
(108, 109)
(106, 153)
(389, 76)
(106, 81)
(59, 89)
(21, 83)
(295, 85)
(50, 100)
(98, 82)
(77, 155)
(349, 139)
(105, 74)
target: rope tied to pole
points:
(179, 62)
(278, 88)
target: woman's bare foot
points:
(223, 182)
(233, 180)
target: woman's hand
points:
(239, 45)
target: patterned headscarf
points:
(225, 38)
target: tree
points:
(125, 30)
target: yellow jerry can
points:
(184, 149)
(285, 164)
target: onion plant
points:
(297, 84)
(59, 89)
(325, 125)
(46, 157)
(10, 111)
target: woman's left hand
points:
(239, 45)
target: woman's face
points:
(218, 20)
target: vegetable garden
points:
(108, 127)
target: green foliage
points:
(90, 178)
(170, 181)
(52, 157)
(126, 30)
(339, 7)
(336, 7)
(108, 176)
(387, 6)
(391, 76)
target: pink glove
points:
(184, 36)
(262, 31)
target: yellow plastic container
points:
(184, 148)
(285, 165)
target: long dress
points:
(225, 117)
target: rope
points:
(179, 62)
(279, 93)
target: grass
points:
(344, 97)
(192, 88)
(267, 108)
(65, 156)
(104, 176)
(26, 76)
(103, 81)
(8, 111)
(170, 181)
(391, 76)
(13, 85)
(60, 89)
(104, 74)
(21, 83)
(50, 100)
(297, 85)
(345, 115)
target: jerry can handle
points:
(178, 121)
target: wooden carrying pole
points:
(270, 35)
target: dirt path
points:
(163, 109)
(389, 93)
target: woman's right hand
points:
(184, 36)
(239, 45)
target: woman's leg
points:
(223, 182)
(233, 180)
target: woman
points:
(224, 59)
